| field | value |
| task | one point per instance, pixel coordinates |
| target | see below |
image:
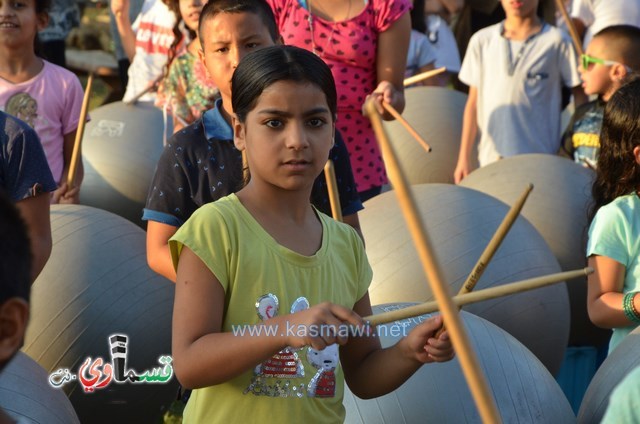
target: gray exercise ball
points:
(436, 114)
(523, 389)
(120, 149)
(97, 284)
(27, 396)
(460, 222)
(618, 364)
(557, 208)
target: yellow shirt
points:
(261, 279)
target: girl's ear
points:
(239, 132)
(636, 154)
(42, 20)
(280, 40)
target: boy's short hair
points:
(623, 44)
(15, 253)
(258, 7)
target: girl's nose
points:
(297, 137)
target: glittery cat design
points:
(284, 364)
(323, 384)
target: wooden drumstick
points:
(423, 76)
(492, 247)
(75, 154)
(577, 42)
(477, 296)
(332, 188)
(406, 125)
(467, 357)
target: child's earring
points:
(333, 141)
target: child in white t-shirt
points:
(147, 43)
(515, 71)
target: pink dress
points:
(349, 48)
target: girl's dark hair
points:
(418, 22)
(258, 7)
(260, 69)
(618, 173)
(178, 34)
(42, 6)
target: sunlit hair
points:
(258, 7)
(618, 173)
(623, 44)
(179, 38)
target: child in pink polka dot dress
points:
(365, 44)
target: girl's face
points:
(287, 135)
(227, 38)
(19, 23)
(190, 12)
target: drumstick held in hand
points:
(492, 247)
(407, 126)
(468, 360)
(75, 154)
(477, 296)
(577, 43)
(423, 76)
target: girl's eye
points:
(274, 123)
(222, 50)
(252, 45)
(316, 122)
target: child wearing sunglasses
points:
(609, 58)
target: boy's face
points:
(520, 8)
(226, 39)
(597, 78)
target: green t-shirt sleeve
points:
(206, 234)
(607, 235)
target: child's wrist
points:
(406, 351)
(629, 307)
(277, 330)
